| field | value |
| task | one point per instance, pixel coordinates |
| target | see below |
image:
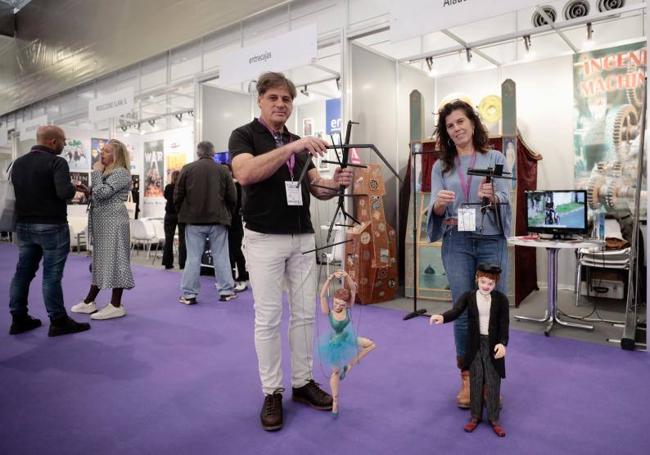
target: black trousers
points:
(168, 251)
(235, 237)
(482, 373)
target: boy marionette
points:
(488, 321)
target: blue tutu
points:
(339, 346)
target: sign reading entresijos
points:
(290, 50)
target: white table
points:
(552, 247)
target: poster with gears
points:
(154, 162)
(608, 99)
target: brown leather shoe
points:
(271, 414)
(313, 395)
(471, 425)
(498, 429)
(462, 399)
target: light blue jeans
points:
(195, 236)
(462, 252)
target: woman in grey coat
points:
(108, 229)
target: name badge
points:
(466, 219)
(294, 195)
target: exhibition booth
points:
(561, 89)
(577, 69)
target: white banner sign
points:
(113, 105)
(28, 129)
(291, 50)
(411, 18)
(4, 142)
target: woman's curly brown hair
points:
(446, 146)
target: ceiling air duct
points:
(575, 9)
(539, 20)
(609, 5)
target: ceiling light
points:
(589, 42)
(430, 68)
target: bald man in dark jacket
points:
(42, 185)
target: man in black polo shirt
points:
(42, 184)
(268, 160)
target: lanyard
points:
(279, 142)
(465, 184)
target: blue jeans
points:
(195, 236)
(462, 252)
(35, 241)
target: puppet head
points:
(487, 277)
(342, 299)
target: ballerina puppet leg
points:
(334, 385)
(366, 345)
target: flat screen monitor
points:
(561, 213)
(222, 157)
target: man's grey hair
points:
(205, 149)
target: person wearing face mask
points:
(488, 322)
(109, 231)
(341, 348)
(471, 216)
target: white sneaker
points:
(240, 286)
(109, 312)
(83, 307)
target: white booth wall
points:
(379, 101)
(221, 112)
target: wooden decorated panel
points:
(369, 181)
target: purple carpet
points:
(170, 379)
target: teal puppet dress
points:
(339, 347)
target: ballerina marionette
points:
(341, 348)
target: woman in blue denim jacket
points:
(480, 236)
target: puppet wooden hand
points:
(499, 351)
(436, 319)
